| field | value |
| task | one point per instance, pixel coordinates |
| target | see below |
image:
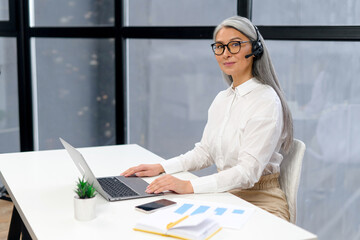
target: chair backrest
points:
(290, 171)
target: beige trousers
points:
(266, 194)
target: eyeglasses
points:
(232, 46)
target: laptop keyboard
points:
(116, 188)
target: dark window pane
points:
(75, 92)
(72, 13)
(306, 12)
(185, 12)
(9, 110)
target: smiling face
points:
(236, 65)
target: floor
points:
(5, 217)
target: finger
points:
(159, 188)
(143, 174)
(125, 172)
(153, 186)
(167, 187)
(160, 184)
(130, 171)
(170, 184)
(158, 181)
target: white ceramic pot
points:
(84, 209)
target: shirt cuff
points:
(172, 165)
(205, 184)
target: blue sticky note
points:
(220, 211)
(238, 211)
(183, 208)
(200, 209)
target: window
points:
(178, 13)
(72, 13)
(319, 79)
(4, 10)
(74, 92)
(171, 86)
(306, 12)
(142, 71)
(9, 118)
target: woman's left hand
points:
(170, 183)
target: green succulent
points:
(85, 189)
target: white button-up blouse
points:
(242, 137)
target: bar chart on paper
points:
(229, 216)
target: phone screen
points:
(152, 206)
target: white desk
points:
(41, 185)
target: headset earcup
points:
(257, 49)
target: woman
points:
(248, 124)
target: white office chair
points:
(290, 171)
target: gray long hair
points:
(262, 69)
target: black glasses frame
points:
(227, 46)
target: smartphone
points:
(155, 205)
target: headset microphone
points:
(249, 55)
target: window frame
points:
(19, 26)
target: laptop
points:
(113, 188)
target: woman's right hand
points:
(144, 170)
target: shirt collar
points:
(245, 87)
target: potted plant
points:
(84, 201)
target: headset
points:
(257, 47)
